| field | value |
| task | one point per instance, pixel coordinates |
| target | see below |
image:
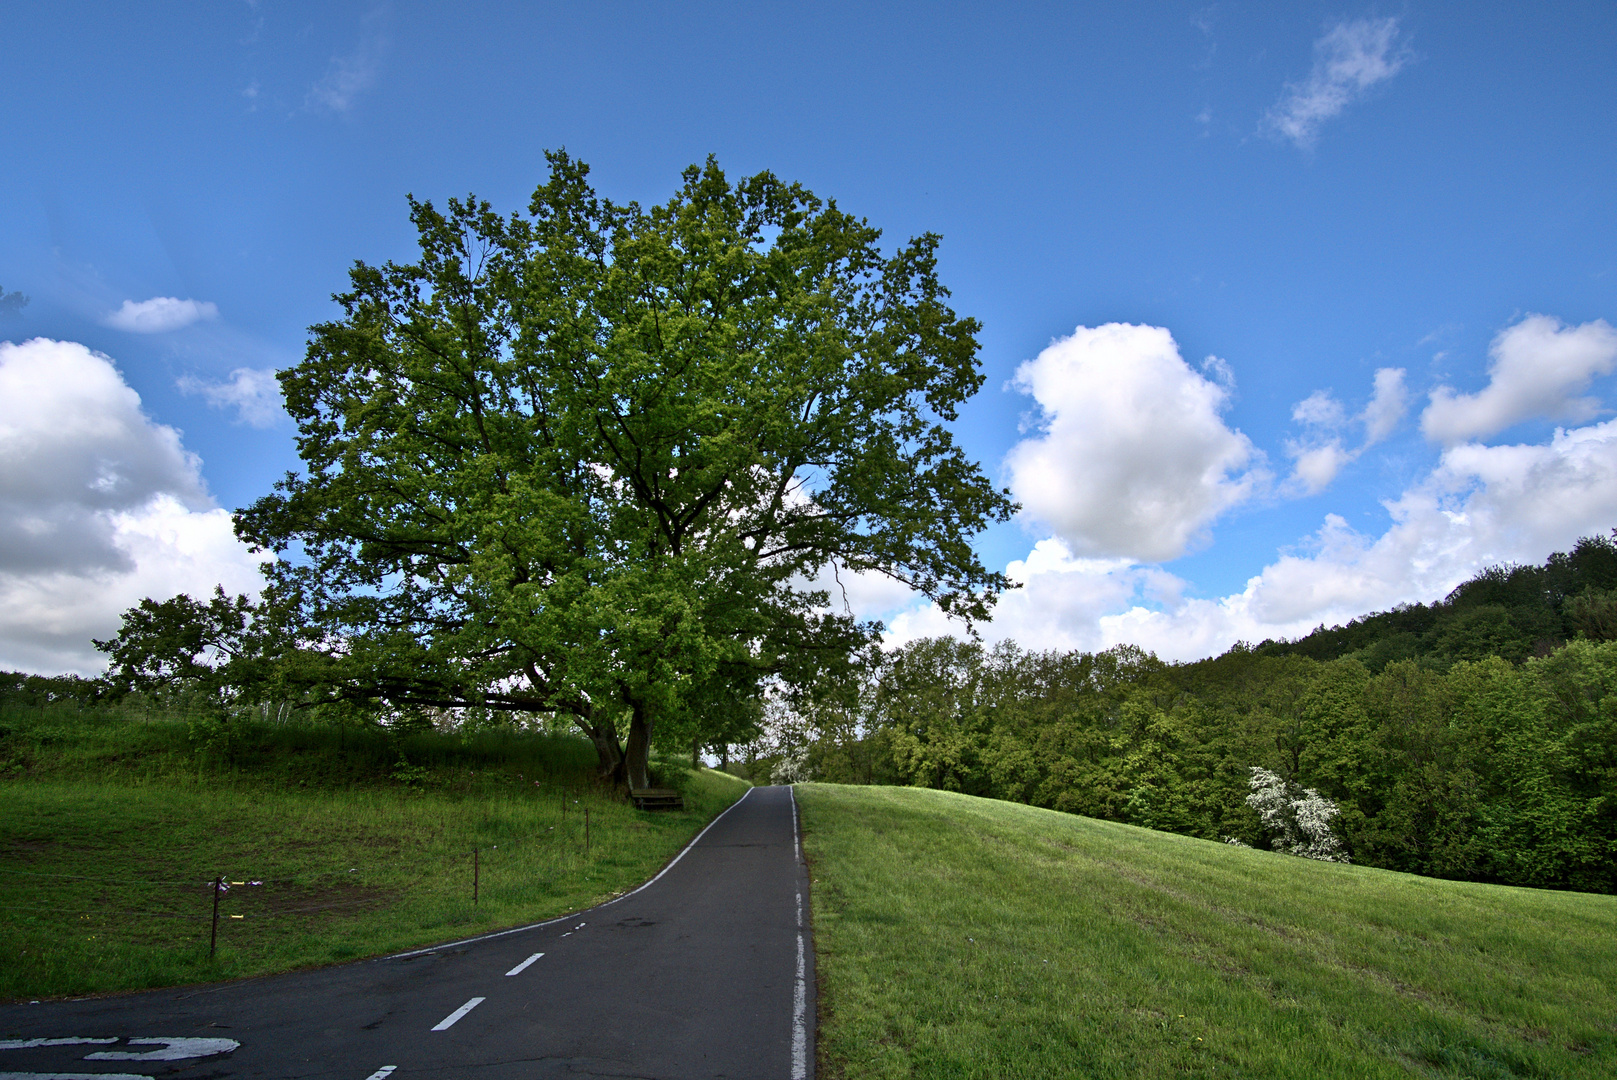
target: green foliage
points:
(1487, 771)
(1471, 739)
(23, 691)
(1509, 611)
(184, 648)
(1593, 613)
(577, 461)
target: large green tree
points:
(591, 459)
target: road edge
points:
(596, 907)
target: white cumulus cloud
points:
(1481, 506)
(99, 507)
(1317, 466)
(1132, 458)
(1540, 368)
(253, 392)
(1322, 452)
(160, 314)
(1388, 405)
(1478, 506)
(1349, 59)
(1320, 409)
(1060, 605)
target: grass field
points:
(960, 937)
(109, 835)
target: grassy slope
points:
(963, 937)
(107, 838)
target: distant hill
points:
(1514, 612)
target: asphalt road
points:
(705, 971)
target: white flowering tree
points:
(1298, 818)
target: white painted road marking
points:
(449, 1021)
(72, 1076)
(520, 968)
(171, 1050)
(799, 1025)
(383, 1073)
(797, 844)
(800, 990)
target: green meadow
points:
(335, 844)
(964, 937)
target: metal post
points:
(474, 875)
(586, 830)
(213, 939)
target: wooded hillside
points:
(1472, 738)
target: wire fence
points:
(213, 892)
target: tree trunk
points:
(608, 754)
(637, 753)
(696, 753)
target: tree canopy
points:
(187, 646)
(593, 459)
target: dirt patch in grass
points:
(284, 899)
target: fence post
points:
(586, 830)
(474, 875)
(213, 939)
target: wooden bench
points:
(656, 798)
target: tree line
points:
(1473, 752)
(1509, 611)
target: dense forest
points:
(1471, 738)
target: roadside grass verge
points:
(104, 878)
(962, 937)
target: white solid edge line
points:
(797, 844)
(383, 1073)
(800, 990)
(520, 968)
(571, 914)
(800, 1019)
(72, 1076)
(449, 1021)
(29, 1044)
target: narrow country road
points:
(705, 971)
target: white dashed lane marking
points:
(520, 968)
(383, 1073)
(449, 1021)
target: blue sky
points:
(1311, 193)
